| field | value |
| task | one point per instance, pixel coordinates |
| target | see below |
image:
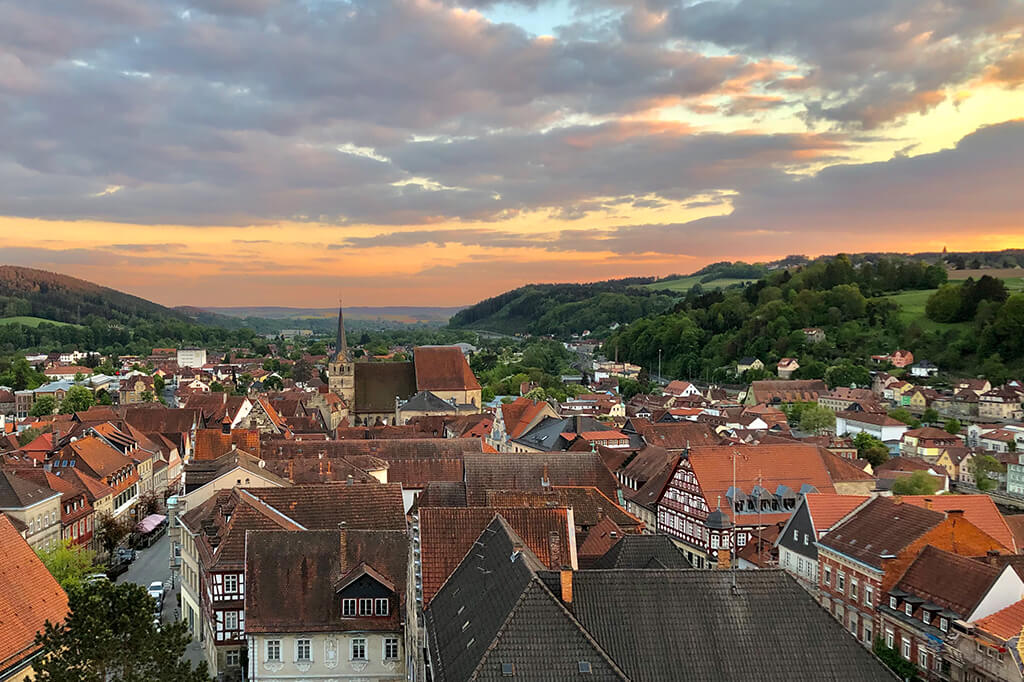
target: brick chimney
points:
(554, 550)
(565, 578)
(955, 513)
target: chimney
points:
(928, 503)
(565, 578)
(991, 557)
(225, 425)
(955, 513)
(554, 550)
(349, 480)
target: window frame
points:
(232, 578)
(308, 644)
(368, 603)
(349, 601)
(381, 601)
(275, 645)
(390, 641)
(907, 650)
(360, 642)
(230, 614)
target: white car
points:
(156, 591)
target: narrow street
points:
(152, 564)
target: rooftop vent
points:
(508, 669)
(584, 667)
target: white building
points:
(191, 357)
(881, 426)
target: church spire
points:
(341, 344)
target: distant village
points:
(380, 516)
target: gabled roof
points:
(97, 456)
(951, 581)
(520, 413)
(379, 383)
(19, 493)
(643, 551)
(443, 368)
(648, 495)
(980, 510)
(302, 569)
(448, 533)
(589, 505)
(768, 466)
(806, 390)
(840, 469)
(495, 611)
(425, 401)
(873, 418)
(882, 527)
(675, 436)
(386, 449)
(374, 506)
(1005, 624)
(528, 472)
(930, 433)
(29, 597)
(94, 488)
(827, 510)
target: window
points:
(348, 607)
(303, 650)
(869, 595)
(231, 583)
(365, 607)
(922, 659)
(944, 625)
(867, 632)
(233, 658)
(908, 609)
(926, 617)
(273, 650)
(805, 539)
(359, 649)
(889, 639)
(796, 536)
(853, 589)
(853, 622)
(906, 649)
(231, 620)
(390, 648)
(892, 602)
(841, 581)
(381, 606)
(828, 575)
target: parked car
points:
(126, 555)
(116, 568)
(96, 577)
(156, 591)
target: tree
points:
(21, 375)
(109, 636)
(216, 387)
(149, 503)
(111, 531)
(870, 448)
(817, 419)
(28, 435)
(536, 394)
(904, 669)
(903, 415)
(930, 416)
(981, 467)
(159, 383)
(44, 405)
(917, 483)
(79, 377)
(953, 426)
(148, 396)
(847, 375)
(103, 398)
(77, 399)
(273, 383)
(945, 304)
(68, 563)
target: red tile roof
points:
(447, 534)
(1004, 624)
(98, 457)
(883, 526)
(766, 465)
(443, 368)
(954, 582)
(980, 510)
(518, 414)
(827, 510)
(29, 597)
(676, 435)
(528, 472)
(875, 418)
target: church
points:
(375, 391)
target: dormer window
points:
(381, 607)
(365, 607)
(908, 609)
(892, 602)
(944, 625)
(348, 607)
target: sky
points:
(437, 152)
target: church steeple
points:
(341, 344)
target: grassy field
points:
(32, 321)
(913, 302)
(683, 284)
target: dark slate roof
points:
(643, 551)
(17, 493)
(881, 527)
(303, 568)
(693, 625)
(442, 494)
(378, 383)
(376, 506)
(953, 582)
(546, 436)
(425, 401)
(494, 610)
(387, 449)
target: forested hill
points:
(26, 292)
(863, 306)
(564, 308)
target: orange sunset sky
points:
(421, 152)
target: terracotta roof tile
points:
(28, 598)
(447, 534)
(827, 510)
(881, 527)
(589, 505)
(527, 472)
(675, 436)
(1004, 624)
(980, 510)
(840, 469)
(443, 368)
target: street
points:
(151, 565)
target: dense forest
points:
(706, 332)
(564, 309)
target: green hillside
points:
(682, 285)
(31, 321)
